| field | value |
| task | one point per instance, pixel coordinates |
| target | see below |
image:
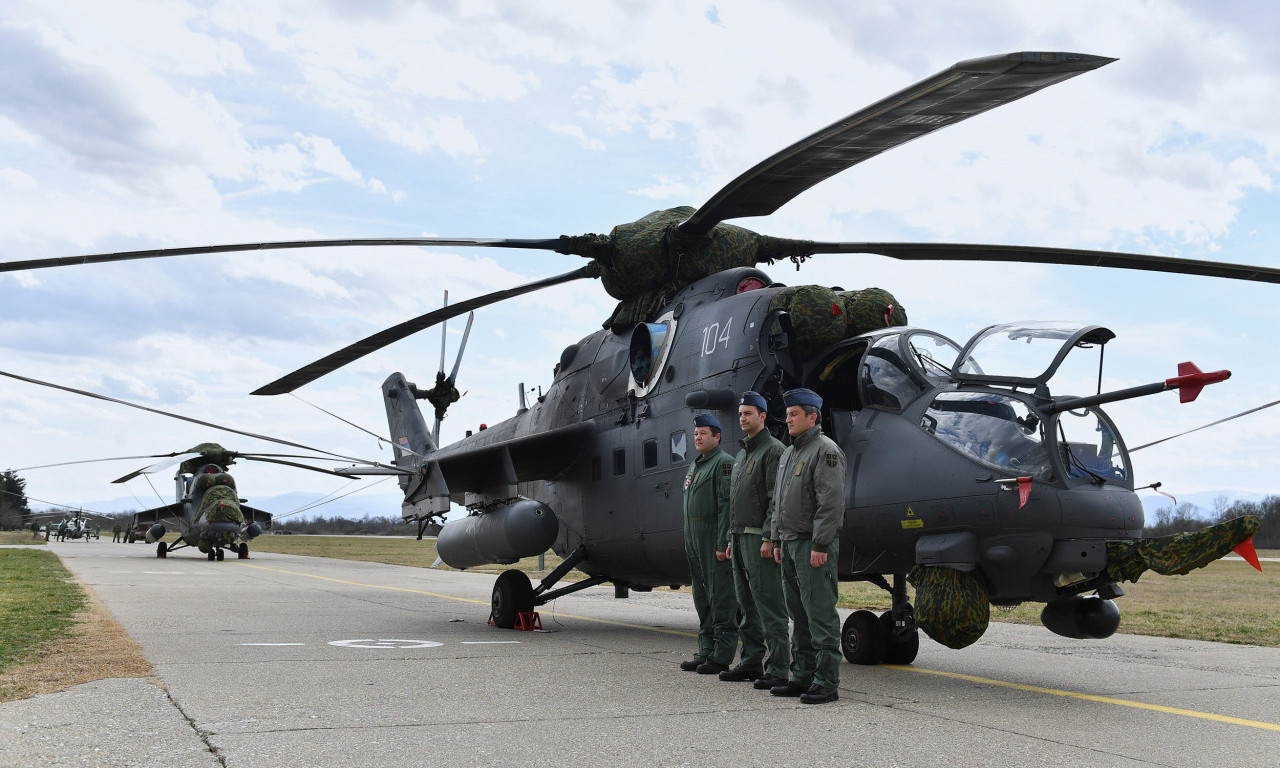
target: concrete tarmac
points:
(293, 661)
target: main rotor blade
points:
(294, 464)
(95, 461)
(180, 417)
(156, 467)
(966, 89)
(333, 362)
(1036, 255)
(156, 253)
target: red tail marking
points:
(1249, 554)
(1190, 380)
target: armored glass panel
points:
(1087, 446)
(1022, 350)
(884, 380)
(998, 431)
(935, 355)
(678, 446)
(649, 451)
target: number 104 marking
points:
(712, 337)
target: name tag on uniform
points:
(750, 466)
(799, 467)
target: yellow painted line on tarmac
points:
(1090, 697)
(954, 675)
(467, 600)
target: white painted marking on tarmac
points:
(367, 642)
(273, 643)
(490, 642)
(166, 573)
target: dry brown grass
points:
(96, 647)
(20, 537)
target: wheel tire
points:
(161, 550)
(862, 639)
(901, 652)
(243, 551)
(218, 555)
(512, 595)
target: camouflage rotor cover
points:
(210, 453)
(952, 607)
(817, 315)
(871, 308)
(221, 502)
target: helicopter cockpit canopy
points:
(1023, 354)
(900, 365)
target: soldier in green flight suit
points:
(706, 542)
(807, 514)
(762, 610)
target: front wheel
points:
(899, 651)
(161, 551)
(512, 595)
(862, 639)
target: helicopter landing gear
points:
(218, 554)
(243, 551)
(161, 551)
(512, 595)
(863, 639)
(901, 649)
(211, 555)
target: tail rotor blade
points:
(453, 377)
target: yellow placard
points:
(916, 523)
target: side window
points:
(678, 446)
(620, 461)
(649, 453)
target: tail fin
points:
(409, 432)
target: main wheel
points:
(863, 638)
(512, 594)
(219, 554)
(243, 551)
(161, 551)
(901, 651)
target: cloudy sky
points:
(135, 125)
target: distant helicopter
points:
(968, 478)
(70, 524)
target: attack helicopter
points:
(976, 482)
(71, 524)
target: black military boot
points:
(789, 688)
(742, 672)
(710, 667)
(691, 666)
(768, 682)
(819, 695)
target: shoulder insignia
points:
(726, 469)
(832, 460)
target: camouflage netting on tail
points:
(645, 262)
(817, 315)
(1179, 553)
(221, 502)
(210, 453)
(871, 308)
(953, 607)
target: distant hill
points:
(352, 507)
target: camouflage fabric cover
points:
(953, 607)
(645, 262)
(817, 314)
(865, 310)
(1179, 553)
(221, 503)
(210, 453)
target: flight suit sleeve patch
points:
(832, 460)
(726, 470)
(799, 468)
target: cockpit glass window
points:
(1001, 432)
(934, 354)
(885, 381)
(1087, 444)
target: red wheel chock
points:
(528, 621)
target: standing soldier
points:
(762, 622)
(808, 509)
(115, 533)
(706, 542)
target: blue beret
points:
(707, 420)
(754, 399)
(802, 397)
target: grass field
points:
(20, 537)
(38, 601)
(1228, 601)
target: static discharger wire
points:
(153, 489)
(1206, 426)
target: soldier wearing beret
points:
(762, 611)
(807, 512)
(706, 542)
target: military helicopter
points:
(968, 476)
(71, 524)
